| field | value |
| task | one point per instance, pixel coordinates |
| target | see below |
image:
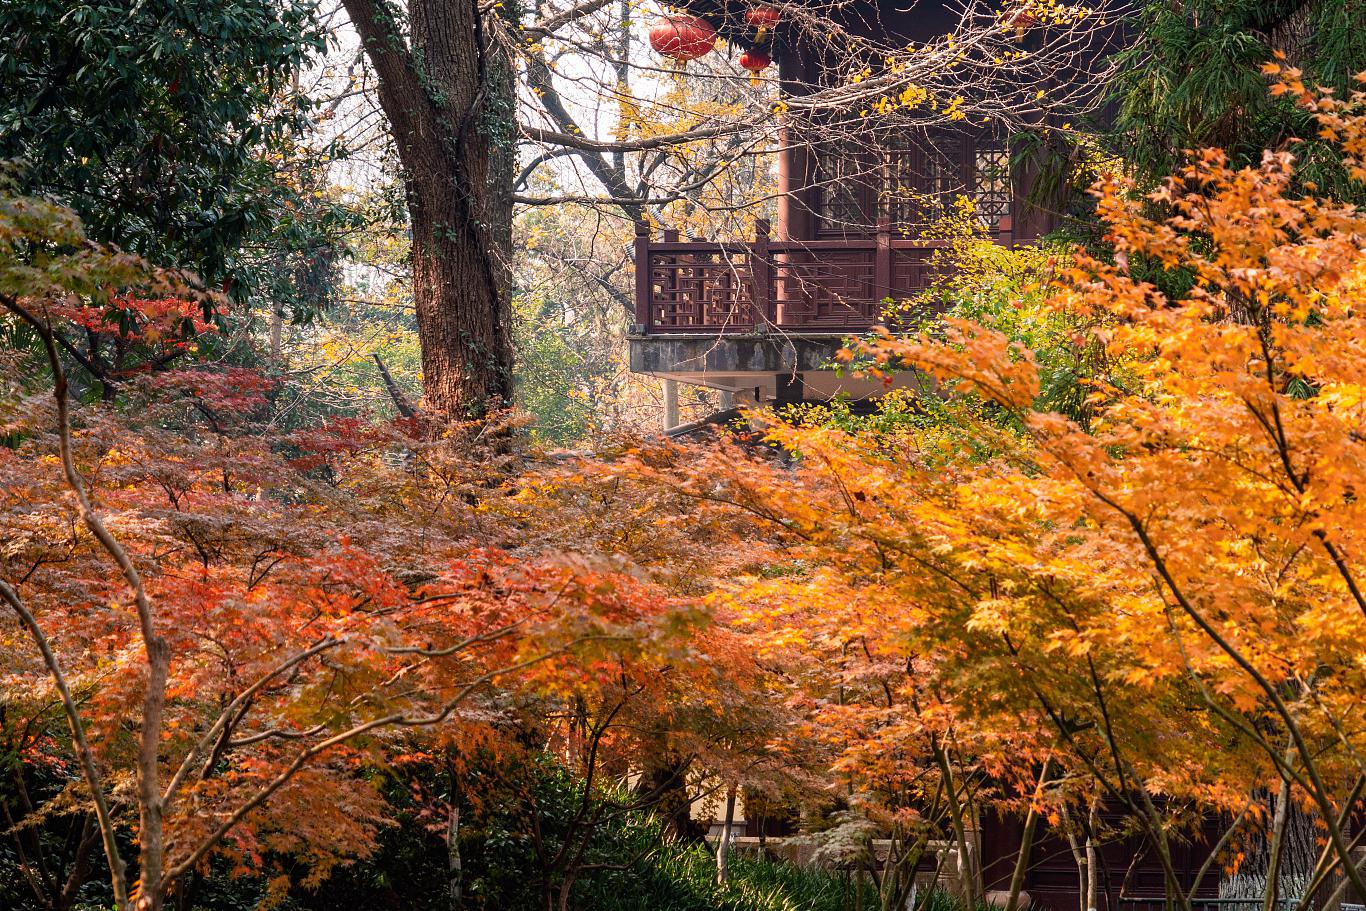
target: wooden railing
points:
(815, 285)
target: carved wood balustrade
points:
(827, 285)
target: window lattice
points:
(944, 175)
(844, 184)
(902, 195)
(912, 186)
(921, 181)
(992, 193)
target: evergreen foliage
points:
(1192, 79)
(627, 866)
(157, 121)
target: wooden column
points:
(1005, 232)
(796, 188)
(785, 183)
(805, 194)
(796, 161)
(761, 276)
(642, 254)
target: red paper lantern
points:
(1020, 18)
(755, 60)
(682, 37)
(763, 18)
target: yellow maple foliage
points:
(1161, 605)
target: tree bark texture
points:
(446, 91)
(1017, 877)
(455, 867)
(727, 829)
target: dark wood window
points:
(911, 184)
(993, 190)
(923, 180)
(847, 181)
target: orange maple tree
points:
(1157, 603)
(237, 623)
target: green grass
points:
(682, 878)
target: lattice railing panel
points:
(836, 288)
(913, 271)
(700, 291)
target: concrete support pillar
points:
(670, 404)
(727, 400)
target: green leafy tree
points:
(1192, 79)
(155, 121)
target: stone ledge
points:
(769, 353)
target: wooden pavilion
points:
(760, 316)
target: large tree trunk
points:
(461, 319)
(435, 90)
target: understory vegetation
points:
(505, 845)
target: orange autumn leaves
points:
(1168, 596)
(323, 608)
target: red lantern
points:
(1020, 18)
(683, 38)
(755, 60)
(763, 18)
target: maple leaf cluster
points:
(178, 322)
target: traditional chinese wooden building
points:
(759, 316)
